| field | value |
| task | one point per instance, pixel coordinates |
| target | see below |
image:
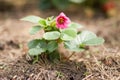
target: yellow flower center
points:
(61, 20)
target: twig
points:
(71, 55)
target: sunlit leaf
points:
(75, 25)
(68, 34)
(88, 38)
(72, 46)
(42, 22)
(35, 29)
(33, 19)
(51, 35)
(85, 38)
(35, 51)
(37, 43)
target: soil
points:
(97, 63)
(24, 70)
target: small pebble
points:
(13, 44)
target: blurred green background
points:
(89, 7)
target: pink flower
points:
(62, 21)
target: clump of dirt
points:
(13, 44)
(1, 46)
(9, 51)
(24, 70)
(10, 44)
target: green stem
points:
(36, 59)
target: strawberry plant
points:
(59, 30)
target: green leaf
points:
(88, 38)
(72, 47)
(75, 25)
(33, 19)
(37, 43)
(68, 34)
(51, 35)
(37, 46)
(42, 22)
(52, 45)
(35, 29)
(51, 21)
(85, 38)
(35, 51)
(94, 41)
(33, 43)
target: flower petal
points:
(64, 23)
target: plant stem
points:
(36, 59)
